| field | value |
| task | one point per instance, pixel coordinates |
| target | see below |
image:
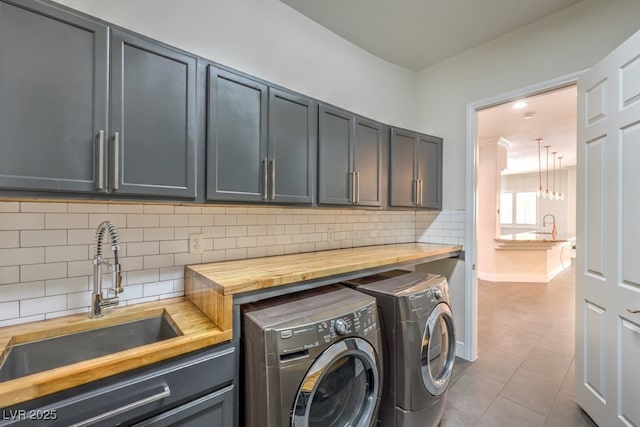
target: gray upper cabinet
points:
(261, 142)
(53, 99)
(415, 170)
(237, 166)
(153, 118)
(350, 159)
(292, 147)
(58, 133)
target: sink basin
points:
(38, 356)
(542, 232)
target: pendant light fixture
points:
(547, 194)
(560, 193)
(539, 190)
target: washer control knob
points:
(437, 293)
(341, 327)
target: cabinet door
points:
(335, 184)
(236, 138)
(215, 409)
(53, 98)
(367, 162)
(153, 122)
(292, 147)
(402, 167)
(429, 157)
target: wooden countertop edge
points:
(34, 386)
(272, 279)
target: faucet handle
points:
(117, 279)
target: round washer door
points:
(438, 350)
(341, 388)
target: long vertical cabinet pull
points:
(420, 189)
(265, 179)
(116, 161)
(357, 187)
(273, 179)
(352, 175)
(100, 173)
(414, 184)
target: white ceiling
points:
(554, 120)
(418, 33)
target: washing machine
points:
(312, 359)
(419, 345)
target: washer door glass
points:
(438, 350)
(341, 388)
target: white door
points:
(608, 239)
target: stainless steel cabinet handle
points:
(357, 187)
(421, 192)
(100, 160)
(352, 175)
(265, 182)
(414, 187)
(116, 161)
(166, 392)
(273, 179)
(633, 311)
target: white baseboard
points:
(524, 278)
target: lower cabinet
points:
(192, 390)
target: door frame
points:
(470, 351)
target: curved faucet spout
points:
(98, 301)
(554, 231)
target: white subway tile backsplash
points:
(9, 310)
(22, 221)
(65, 313)
(9, 239)
(20, 256)
(35, 306)
(30, 273)
(9, 274)
(47, 247)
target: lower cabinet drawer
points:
(132, 397)
(215, 409)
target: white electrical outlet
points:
(196, 244)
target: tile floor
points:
(524, 374)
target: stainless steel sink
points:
(38, 356)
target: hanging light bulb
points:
(547, 194)
(539, 189)
(560, 193)
(554, 196)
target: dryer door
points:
(438, 350)
(341, 388)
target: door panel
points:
(237, 138)
(367, 161)
(402, 169)
(335, 162)
(607, 332)
(51, 115)
(429, 161)
(292, 147)
(153, 112)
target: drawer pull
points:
(166, 392)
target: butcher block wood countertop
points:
(211, 286)
(197, 332)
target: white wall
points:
(566, 42)
(268, 39)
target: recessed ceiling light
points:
(519, 105)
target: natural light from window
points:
(518, 208)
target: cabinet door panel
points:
(292, 145)
(236, 142)
(335, 141)
(153, 111)
(430, 171)
(367, 161)
(402, 167)
(53, 98)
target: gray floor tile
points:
(558, 343)
(505, 413)
(567, 413)
(533, 391)
(497, 364)
(547, 363)
(473, 393)
(454, 417)
(569, 383)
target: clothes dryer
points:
(312, 359)
(419, 345)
